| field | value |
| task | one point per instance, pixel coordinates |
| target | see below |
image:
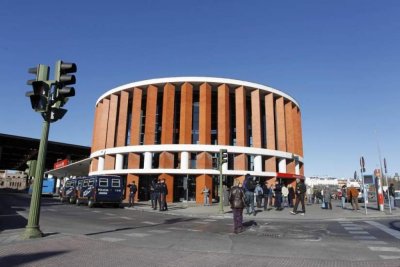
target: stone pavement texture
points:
(64, 250)
(313, 212)
(78, 250)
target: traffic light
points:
(63, 78)
(40, 86)
(30, 171)
(223, 157)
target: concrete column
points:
(119, 161)
(258, 163)
(184, 160)
(100, 166)
(148, 158)
(297, 168)
(282, 166)
(122, 119)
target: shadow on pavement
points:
(19, 259)
(395, 225)
(168, 221)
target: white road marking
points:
(151, 223)
(364, 237)
(177, 228)
(110, 214)
(384, 228)
(210, 220)
(96, 211)
(159, 231)
(137, 234)
(344, 222)
(386, 249)
(126, 218)
(112, 239)
(193, 230)
(353, 228)
(373, 242)
(201, 222)
(358, 232)
(389, 257)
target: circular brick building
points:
(173, 128)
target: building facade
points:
(173, 128)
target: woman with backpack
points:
(236, 199)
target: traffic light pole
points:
(32, 229)
(221, 203)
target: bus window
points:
(103, 182)
(116, 182)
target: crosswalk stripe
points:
(353, 228)
(364, 237)
(137, 234)
(389, 257)
(112, 239)
(358, 232)
(384, 228)
(210, 220)
(110, 214)
(126, 218)
(386, 249)
(373, 242)
(159, 231)
(151, 223)
(201, 222)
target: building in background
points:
(173, 128)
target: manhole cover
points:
(271, 235)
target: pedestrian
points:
(132, 192)
(285, 196)
(267, 195)
(278, 196)
(206, 195)
(157, 199)
(259, 194)
(309, 195)
(327, 198)
(343, 197)
(352, 195)
(237, 201)
(391, 192)
(291, 195)
(300, 195)
(163, 195)
(249, 186)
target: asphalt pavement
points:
(195, 235)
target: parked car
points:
(100, 189)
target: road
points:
(365, 242)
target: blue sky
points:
(339, 59)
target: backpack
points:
(250, 185)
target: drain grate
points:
(272, 235)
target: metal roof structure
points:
(15, 151)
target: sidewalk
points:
(314, 212)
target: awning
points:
(78, 168)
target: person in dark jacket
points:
(249, 185)
(157, 188)
(392, 194)
(163, 195)
(291, 195)
(132, 192)
(278, 196)
(236, 199)
(300, 195)
(267, 193)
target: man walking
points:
(236, 199)
(163, 195)
(285, 194)
(249, 187)
(352, 195)
(206, 195)
(300, 195)
(132, 193)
